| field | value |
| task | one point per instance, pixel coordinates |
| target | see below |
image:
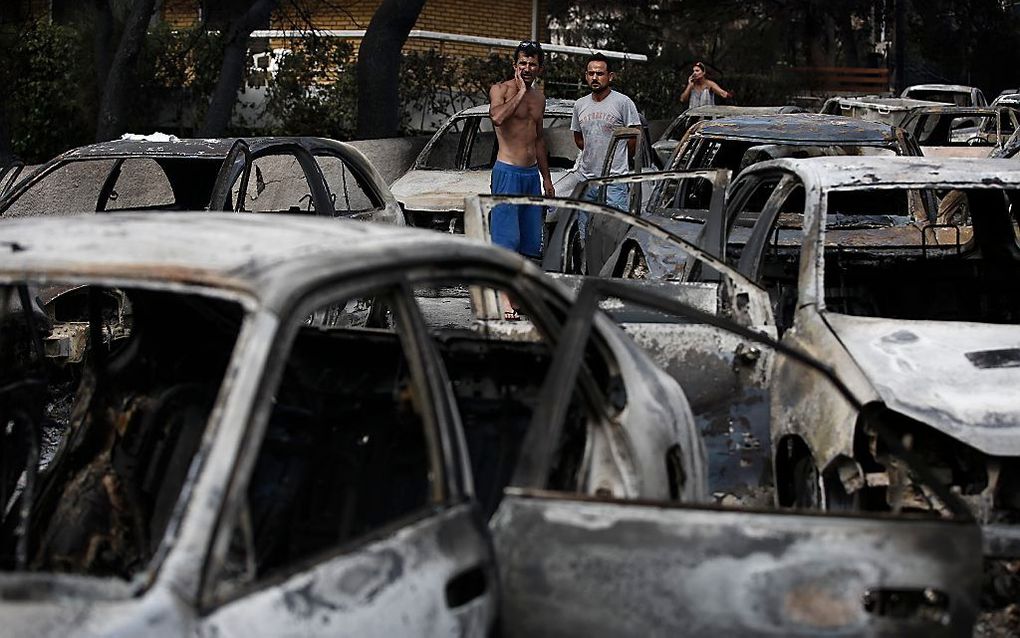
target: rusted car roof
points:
(900, 172)
(239, 252)
(553, 106)
(799, 128)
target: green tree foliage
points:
(313, 90)
(177, 74)
(44, 101)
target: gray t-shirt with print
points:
(596, 121)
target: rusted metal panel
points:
(580, 567)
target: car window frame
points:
(753, 254)
(363, 180)
(446, 493)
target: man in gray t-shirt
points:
(595, 118)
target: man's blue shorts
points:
(518, 228)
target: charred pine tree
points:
(379, 67)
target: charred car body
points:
(960, 131)
(163, 173)
(282, 335)
(670, 137)
(919, 317)
(736, 142)
(315, 453)
(873, 108)
(957, 94)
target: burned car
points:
(704, 331)
(458, 161)
(670, 137)
(919, 317)
(734, 143)
(957, 94)
(951, 131)
(280, 437)
(161, 173)
(1009, 149)
(262, 412)
(874, 108)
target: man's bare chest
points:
(530, 109)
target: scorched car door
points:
(575, 566)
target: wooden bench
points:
(843, 80)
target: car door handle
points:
(466, 586)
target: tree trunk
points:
(103, 40)
(113, 102)
(842, 14)
(6, 148)
(379, 67)
(235, 53)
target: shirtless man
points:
(522, 165)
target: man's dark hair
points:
(598, 57)
(529, 48)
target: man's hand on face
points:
(519, 81)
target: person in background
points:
(595, 118)
(700, 90)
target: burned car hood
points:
(439, 190)
(960, 378)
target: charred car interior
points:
(129, 412)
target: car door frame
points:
(9, 175)
(451, 506)
(559, 243)
(238, 165)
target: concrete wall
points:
(392, 157)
